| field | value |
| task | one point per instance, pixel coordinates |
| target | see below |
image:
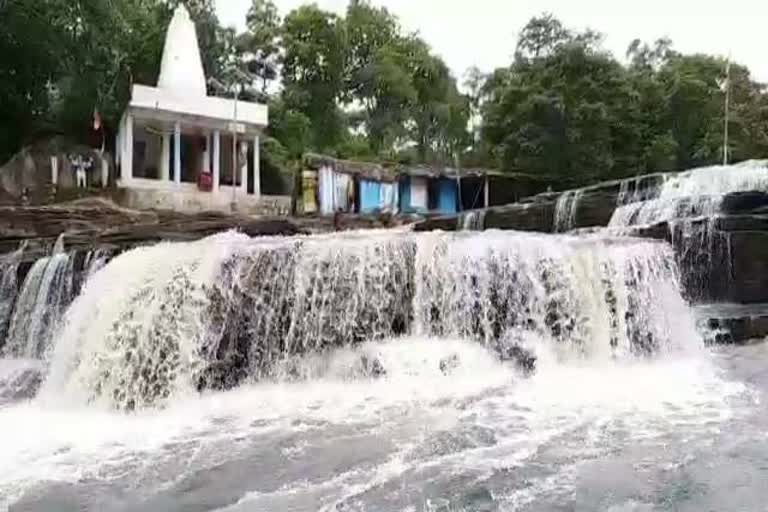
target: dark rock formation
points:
(734, 323)
(594, 206)
(741, 202)
(30, 170)
(95, 223)
(534, 216)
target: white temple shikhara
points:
(179, 148)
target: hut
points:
(330, 185)
(442, 190)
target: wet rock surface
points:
(734, 323)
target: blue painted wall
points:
(370, 196)
(447, 196)
(405, 194)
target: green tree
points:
(313, 71)
(260, 44)
(541, 36)
(31, 46)
(559, 114)
(377, 72)
(440, 113)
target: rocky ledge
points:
(97, 223)
(587, 207)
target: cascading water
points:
(229, 309)
(31, 313)
(472, 220)
(690, 203)
(565, 210)
(695, 193)
(47, 290)
(9, 267)
(363, 370)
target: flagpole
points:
(727, 109)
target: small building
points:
(330, 185)
(442, 190)
(179, 148)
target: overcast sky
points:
(483, 32)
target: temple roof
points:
(181, 93)
(181, 71)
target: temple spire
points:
(181, 71)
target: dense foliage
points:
(568, 109)
(359, 86)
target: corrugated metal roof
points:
(425, 171)
(367, 170)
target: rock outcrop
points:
(588, 207)
(28, 175)
(96, 223)
(734, 323)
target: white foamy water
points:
(566, 208)
(695, 193)
(40, 304)
(179, 317)
(375, 370)
(492, 417)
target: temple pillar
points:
(206, 166)
(216, 160)
(165, 158)
(243, 161)
(177, 153)
(256, 167)
(126, 170)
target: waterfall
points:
(689, 203)
(565, 210)
(633, 190)
(472, 220)
(695, 193)
(94, 261)
(9, 266)
(172, 319)
(590, 297)
(46, 292)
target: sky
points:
(483, 33)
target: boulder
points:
(733, 323)
(29, 172)
(744, 202)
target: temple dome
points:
(181, 71)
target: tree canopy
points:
(567, 109)
(358, 85)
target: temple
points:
(179, 148)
